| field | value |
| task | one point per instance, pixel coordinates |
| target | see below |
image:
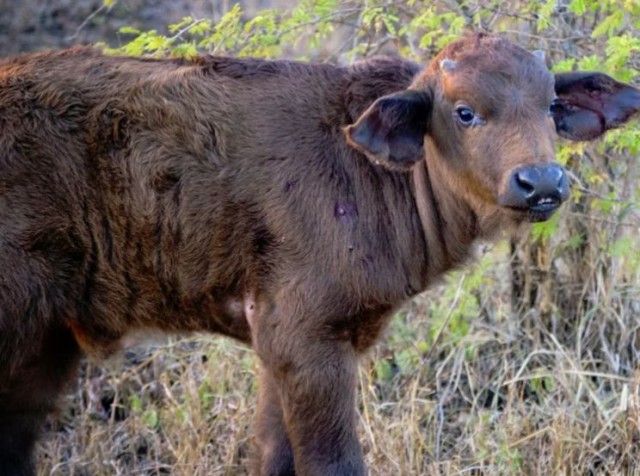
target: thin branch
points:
(89, 18)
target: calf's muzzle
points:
(536, 189)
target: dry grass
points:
(496, 394)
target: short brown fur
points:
(222, 195)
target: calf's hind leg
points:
(28, 392)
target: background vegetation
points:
(525, 363)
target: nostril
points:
(525, 184)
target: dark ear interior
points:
(391, 132)
(589, 104)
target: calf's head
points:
(484, 115)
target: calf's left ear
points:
(391, 132)
(589, 104)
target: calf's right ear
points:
(589, 104)
(391, 132)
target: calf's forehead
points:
(492, 72)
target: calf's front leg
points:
(274, 456)
(314, 375)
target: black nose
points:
(536, 188)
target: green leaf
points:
(564, 65)
(407, 360)
(135, 403)
(181, 24)
(383, 370)
(545, 230)
(128, 30)
(185, 50)
(150, 418)
(544, 14)
(579, 7)
(609, 24)
(590, 63)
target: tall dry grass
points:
(503, 397)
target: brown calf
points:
(233, 196)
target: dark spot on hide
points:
(164, 182)
(290, 185)
(346, 212)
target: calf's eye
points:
(465, 116)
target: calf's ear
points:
(391, 132)
(589, 104)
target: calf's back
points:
(160, 193)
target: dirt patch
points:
(32, 25)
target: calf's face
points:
(484, 116)
(490, 131)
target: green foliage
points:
(148, 414)
(151, 418)
(545, 230)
